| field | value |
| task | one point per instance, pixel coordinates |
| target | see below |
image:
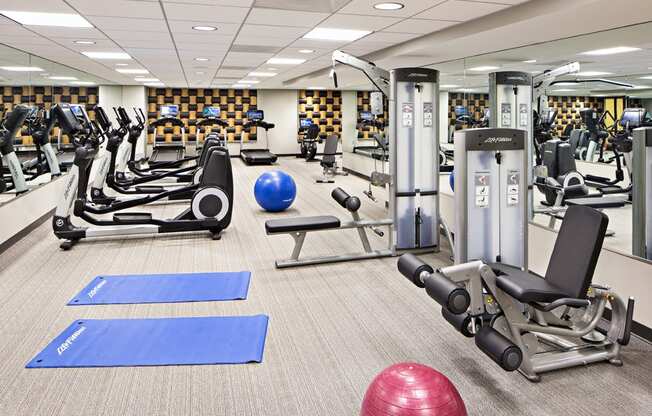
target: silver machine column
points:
(642, 193)
(510, 98)
(491, 196)
(414, 149)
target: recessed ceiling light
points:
(84, 42)
(147, 79)
(205, 28)
(449, 86)
(21, 68)
(611, 51)
(201, 59)
(306, 51)
(285, 61)
(262, 74)
(132, 71)
(530, 61)
(82, 83)
(154, 84)
(107, 55)
(484, 68)
(121, 64)
(315, 88)
(388, 6)
(46, 19)
(248, 81)
(323, 33)
(647, 77)
(241, 85)
(60, 78)
(592, 73)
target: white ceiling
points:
(158, 35)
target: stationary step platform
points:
(150, 189)
(132, 217)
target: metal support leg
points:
(298, 244)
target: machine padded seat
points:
(597, 203)
(526, 287)
(288, 225)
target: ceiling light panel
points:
(484, 68)
(611, 51)
(132, 71)
(285, 61)
(46, 19)
(592, 73)
(21, 68)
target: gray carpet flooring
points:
(332, 327)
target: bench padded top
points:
(288, 225)
(598, 202)
(526, 287)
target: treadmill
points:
(166, 152)
(256, 156)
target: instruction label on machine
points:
(481, 190)
(506, 115)
(513, 183)
(408, 114)
(523, 114)
(427, 115)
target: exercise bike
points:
(210, 207)
(310, 138)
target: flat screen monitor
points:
(77, 110)
(304, 123)
(211, 112)
(366, 115)
(169, 110)
(255, 115)
(460, 110)
(632, 117)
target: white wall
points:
(110, 96)
(280, 107)
(136, 96)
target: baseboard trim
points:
(25, 231)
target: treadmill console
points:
(366, 116)
(255, 115)
(169, 111)
(213, 112)
(304, 123)
(634, 117)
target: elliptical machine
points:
(10, 126)
(309, 139)
(210, 208)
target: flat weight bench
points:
(298, 227)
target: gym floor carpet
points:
(332, 327)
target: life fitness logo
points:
(418, 74)
(498, 140)
(60, 223)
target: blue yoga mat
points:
(164, 288)
(162, 341)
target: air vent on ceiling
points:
(254, 49)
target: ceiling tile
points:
(239, 3)
(198, 12)
(68, 32)
(232, 73)
(118, 8)
(265, 31)
(265, 41)
(419, 26)
(460, 10)
(52, 6)
(366, 7)
(259, 16)
(354, 21)
(246, 59)
(128, 24)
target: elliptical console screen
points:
(632, 118)
(67, 120)
(169, 110)
(366, 115)
(460, 110)
(255, 115)
(211, 112)
(304, 123)
(77, 110)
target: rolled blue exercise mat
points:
(164, 288)
(156, 342)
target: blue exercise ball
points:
(275, 191)
(451, 181)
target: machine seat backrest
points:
(312, 133)
(576, 250)
(330, 150)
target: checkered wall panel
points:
(324, 108)
(364, 104)
(233, 104)
(568, 108)
(475, 103)
(45, 96)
